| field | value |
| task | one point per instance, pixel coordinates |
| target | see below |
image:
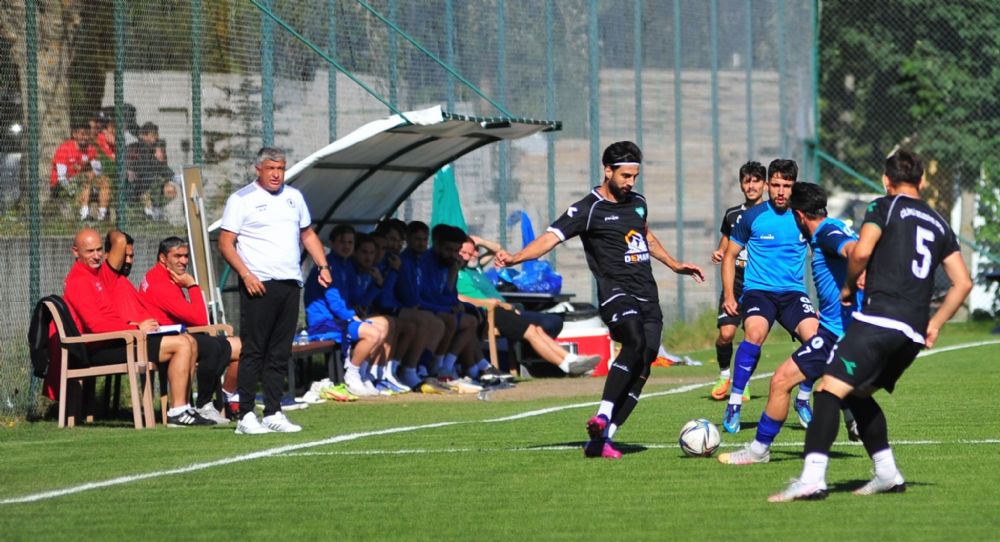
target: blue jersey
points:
(829, 269)
(775, 247)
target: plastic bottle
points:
(303, 337)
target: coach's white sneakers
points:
(249, 425)
(209, 412)
(278, 423)
(896, 484)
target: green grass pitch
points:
(479, 470)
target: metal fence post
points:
(119, 16)
(34, 217)
(550, 113)
(331, 78)
(782, 94)
(393, 56)
(502, 91)
(267, 75)
(637, 76)
(749, 78)
(716, 157)
(679, 148)
(593, 55)
(195, 81)
(449, 25)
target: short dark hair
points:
(362, 238)
(339, 230)
(621, 151)
(753, 169)
(417, 226)
(788, 169)
(444, 233)
(171, 243)
(107, 240)
(904, 166)
(809, 198)
(391, 224)
(149, 128)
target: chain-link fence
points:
(702, 86)
(922, 75)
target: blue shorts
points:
(811, 357)
(788, 308)
(334, 330)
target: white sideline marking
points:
(564, 447)
(271, 452)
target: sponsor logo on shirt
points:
(637, 250)
(768, 236)
(610, 218)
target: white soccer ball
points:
(699, 438)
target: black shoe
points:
(492, 374)
(188, 418)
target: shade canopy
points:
(366, 175)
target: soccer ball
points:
(699, 438)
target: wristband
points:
(322, 267)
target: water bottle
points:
(303, 338)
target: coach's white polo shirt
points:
(268, 230)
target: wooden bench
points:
(303, 352)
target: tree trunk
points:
(57, 22)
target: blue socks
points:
(767, 429)
(747, 356)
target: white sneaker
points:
(392, 380)
(744, 457)
(210, 413)
(357, 386)
(583, 365)
(797, 491)
(896, 484)
(465, 385)
(249, 425)
(278, 423)
(370, 386)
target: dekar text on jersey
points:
(637, 250)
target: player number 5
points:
(922, 267)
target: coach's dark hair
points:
(362, 238)
(809, 198)
(391, 224)
(622, 151)
(444, 233)
(904, 167)
(171, 243)
(107, 240)
(787, 169)
(753, 169)
(340, 229)
(416, 226)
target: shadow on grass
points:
(848, 486)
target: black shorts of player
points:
(811, 357)
(788, 308)
(621, 306)
(724, 319)
(114, 351)
(869, 357)
(214, 353)
(510, 324)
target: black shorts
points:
(788, 308)
(214, 353)
(621, 306)
(812, 356)
(869, 357)
(724, 319)
(114, 351)
(510, 324)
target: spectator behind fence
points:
(163, 293)
(264, 224)
(91, 292)
(474, 287)
(146, 170)
(77, 170)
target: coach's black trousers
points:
(267, 328)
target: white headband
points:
(616, 164)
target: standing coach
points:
(262, 226)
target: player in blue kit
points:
(832, 242)
(774, 286)
(902, 242)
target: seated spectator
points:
(77, 170)
(144, 170)
(329, 317)
(368, 284)
(172, 296)
(96, 297)
(475, 288)
(437, 269)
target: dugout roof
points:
(364, 176)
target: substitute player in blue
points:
(902, 242)
(612, 223)
(832, 242)
(774, 286)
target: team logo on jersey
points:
(848, 366)
(641, 211)
(637, 250)
(571, 211)
(290, 202)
